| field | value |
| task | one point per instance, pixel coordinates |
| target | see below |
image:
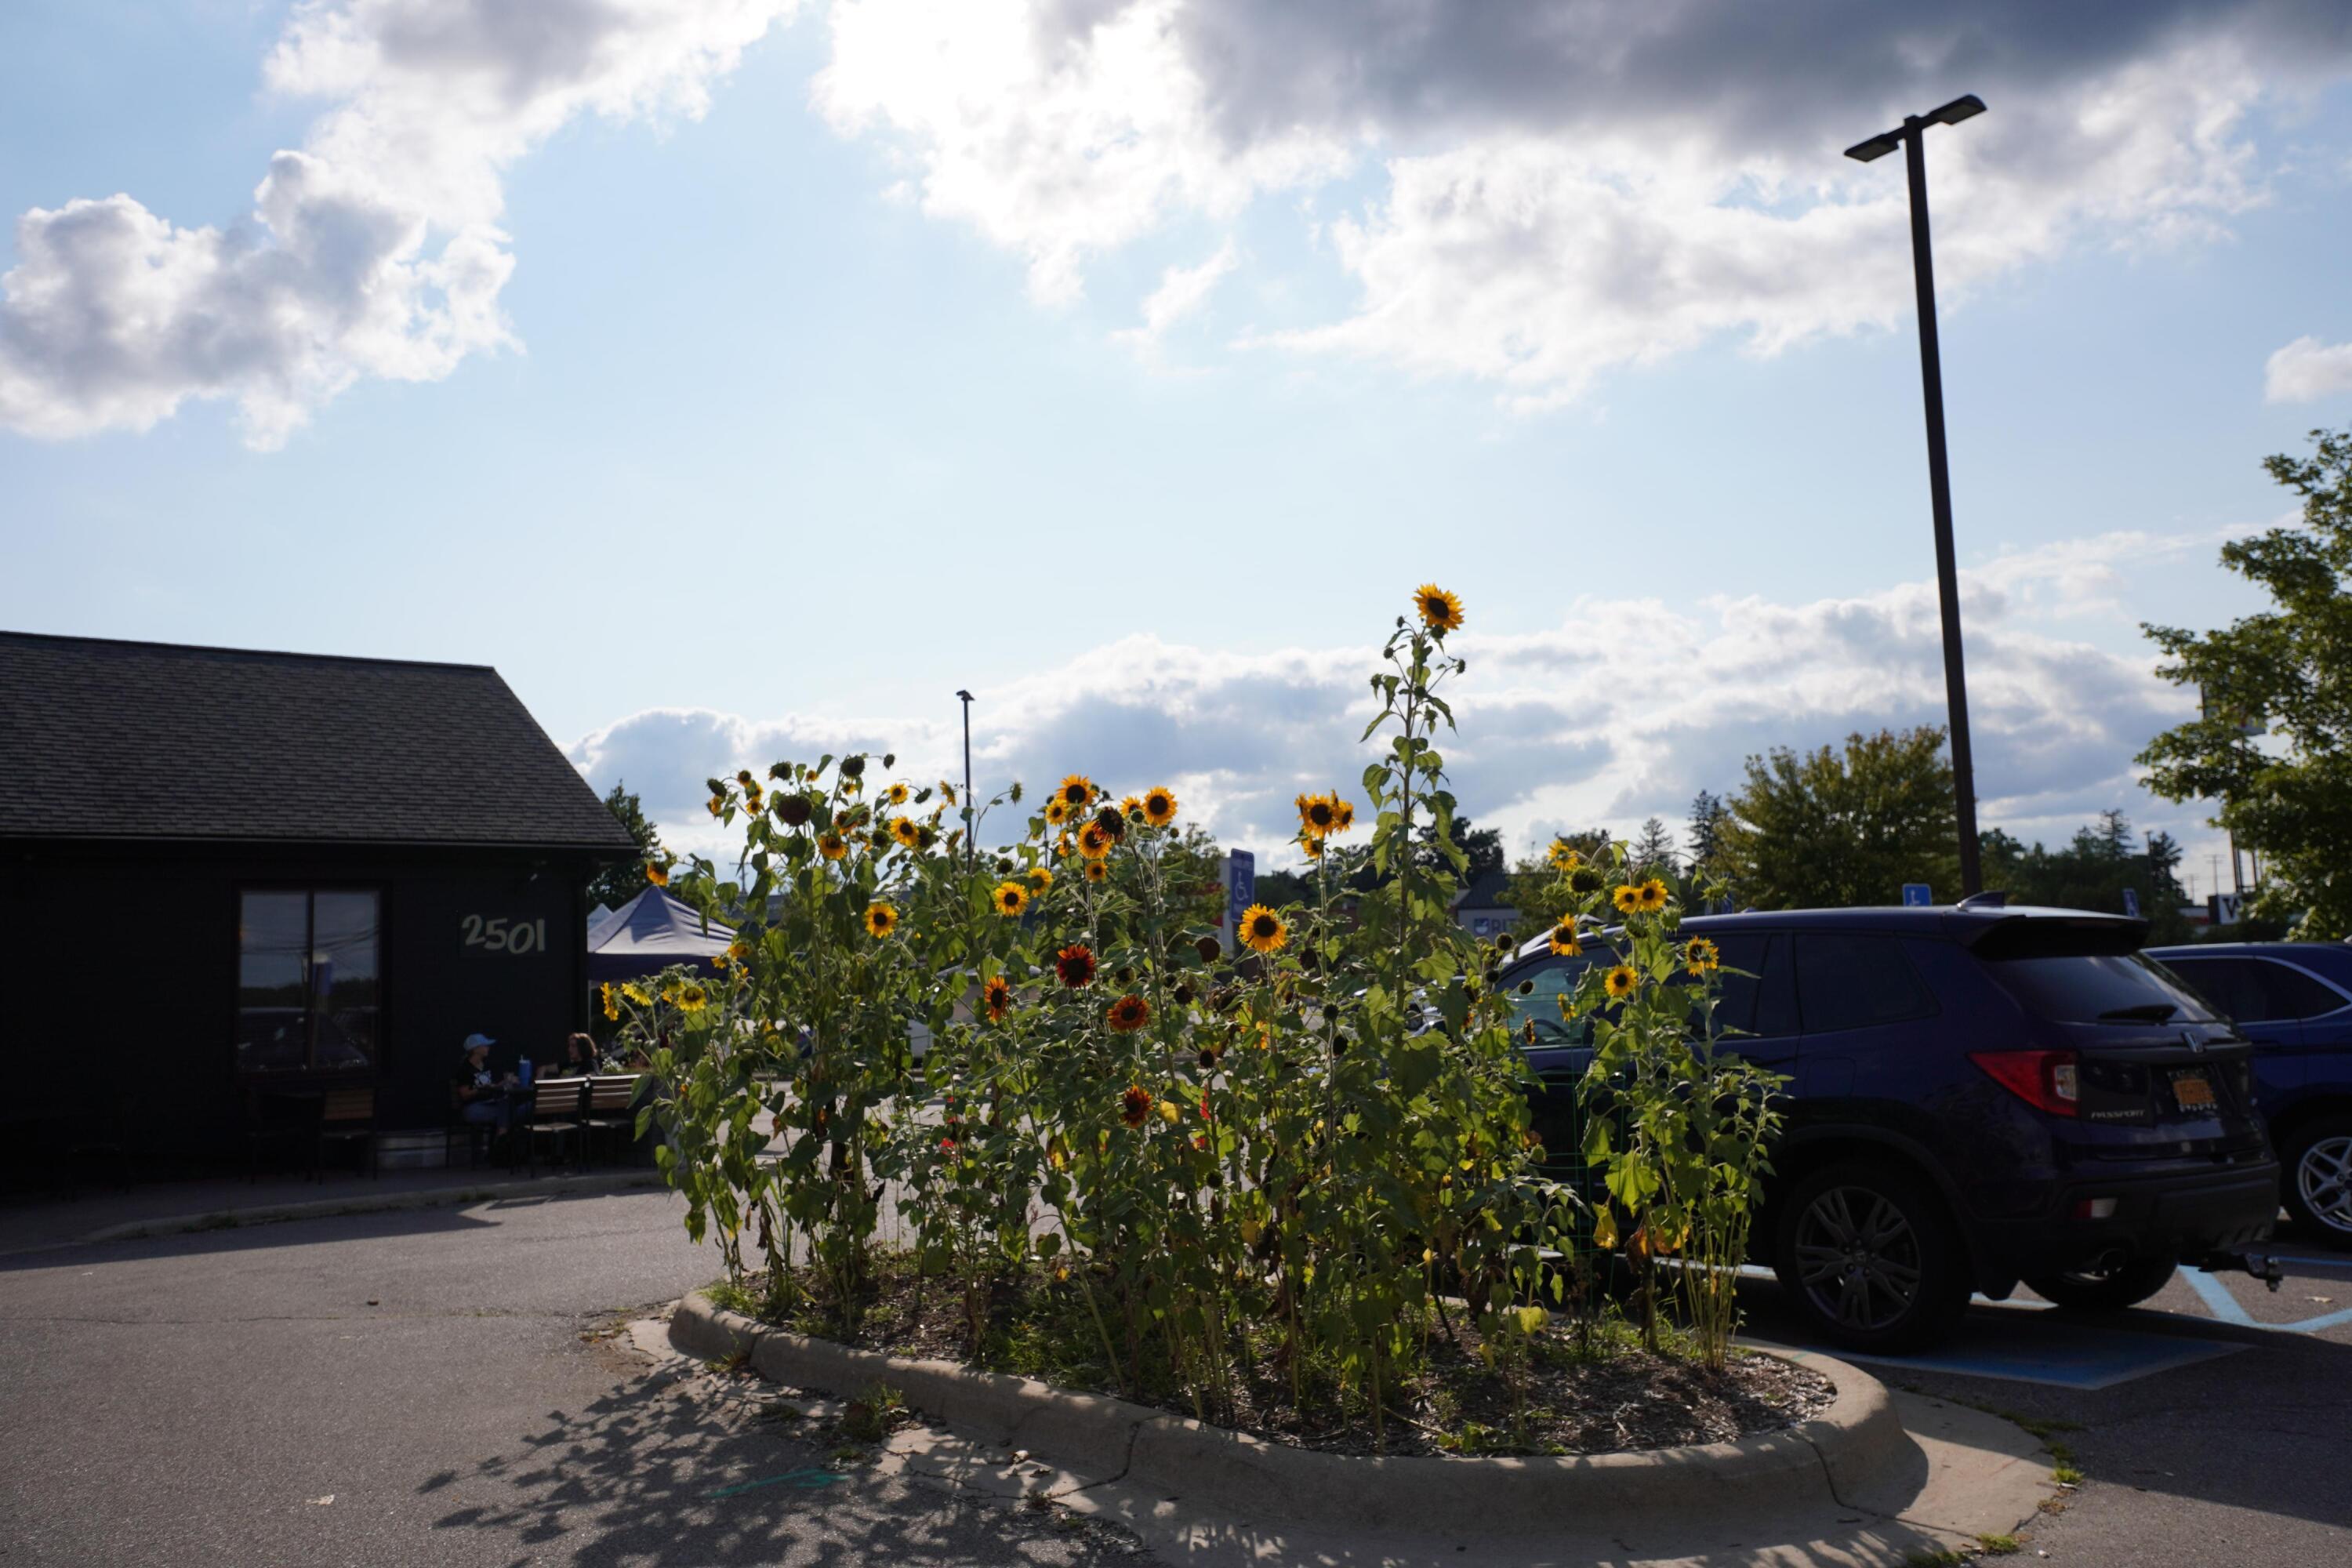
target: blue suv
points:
(1978, 1096)
(2294, 1000)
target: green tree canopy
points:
(1824, 831)
(2092, 871)
(1652, 853)
(2289, 797)
(616, 885)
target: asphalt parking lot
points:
(445, 1385)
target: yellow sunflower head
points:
(1317, 814)
(1010, 899)
(947, 792)
(657, 873)
(1098, 870)
(1628, 899)
(832, 846)
(1701, 955)
(611, 1006)
(1262, 930)
(1057, 810)
(1343, 811)
(1441, 612)
(1041, 880)
(1621, 981)
(692, 998)
(718, 803)
(1132, 808)
(1313, 847)
(1651, 896)
(1158, 806)
(1075, 792)
(896, 795)
(636, 993)
(906, 831)
(1564, 938)
(881, 919)
(1563, 856)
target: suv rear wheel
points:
(1869, 1257)
(2109, 1285)
(2318, 1180)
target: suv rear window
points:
(2099, 988)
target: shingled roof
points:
(158, 742)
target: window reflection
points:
(309, 993)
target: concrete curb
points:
(1857, 1443)
(376, 1203)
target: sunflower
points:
(1628, 899)
(1076, 965)
(906, 831)
(1170, 1112)
(881, 919)
(752, 797)
(1441, 612)
(657, 873)
(738, 950)
(1652, 894)
(743, 777)
(1158, 806)
(692, 998)
(1313, 847)
(1094, 841)
(996, 997)
(1317, 814)
(896, 795)
(1008, 899)
(718, 803)
(636, 993)
(1563, 856)
(1111, 821)
(1057, 811)
(1040, 881)
(611, 1008)
(1701, 955)
(1127, 1015)
(1135, 1105)
(853, 766)
(1564, 938)
(1343, 812)
(791, 810)
(1075, 792)
(1586, 880)
(947, 792)
(1621, 981)
(832, 846)
(1131, 807)
(1262, 930)
(1098, 870)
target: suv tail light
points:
(2046, 1080)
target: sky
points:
(742, 378)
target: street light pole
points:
(970, 850)
(1912, 134)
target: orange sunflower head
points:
(1441, 612)
(881, 919)
(1135, 1105)
(1098, 870)
(996, 998)
(1651, 896)
(1094, 841)
(1343, 812)
(1129, 1013)
(1076, 965)
(1262, 930)
(657, 873)
(1701, 955)
(1313, 847)
(1564, 938)
(832, 846)
(1317, 815)
(1620, 983)
(1075, 792)
(1008, 899)
(1158, 806)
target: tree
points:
(1820, 831)
(2290, 667)
(2093, 871)
(1652, 853)
(616, 885)
(1706, 840)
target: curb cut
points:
(1856, 1443)
(373, 1203)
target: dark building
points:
(226, 872)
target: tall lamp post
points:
(1911, 136)
(970, 850)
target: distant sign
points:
(2224, 908)
(1917, 895)
(1240, 892)
(2131, 902)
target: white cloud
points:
(374, 249)
(1182, 291)
(1623, 710)
(2306, 369)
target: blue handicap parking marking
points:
(2031, 1346)
(2215, 1294)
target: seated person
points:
(581, 1059)
(477, 1092)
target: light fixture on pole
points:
(970, 850)
(1909, 136)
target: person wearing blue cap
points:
(478, 1094)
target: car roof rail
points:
(1991, 899)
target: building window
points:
(308, 992)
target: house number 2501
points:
(499, 934)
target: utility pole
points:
(970, 850)
(1912, 137)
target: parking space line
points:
(2226, 1307)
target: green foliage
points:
(616, 885)
(2287, 798)
(2091, 872)
(1652, 852)
(1821, 831)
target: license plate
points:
(2192, 1091)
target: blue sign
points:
(2131, 902)
(1916, 896)
(1240, 892)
